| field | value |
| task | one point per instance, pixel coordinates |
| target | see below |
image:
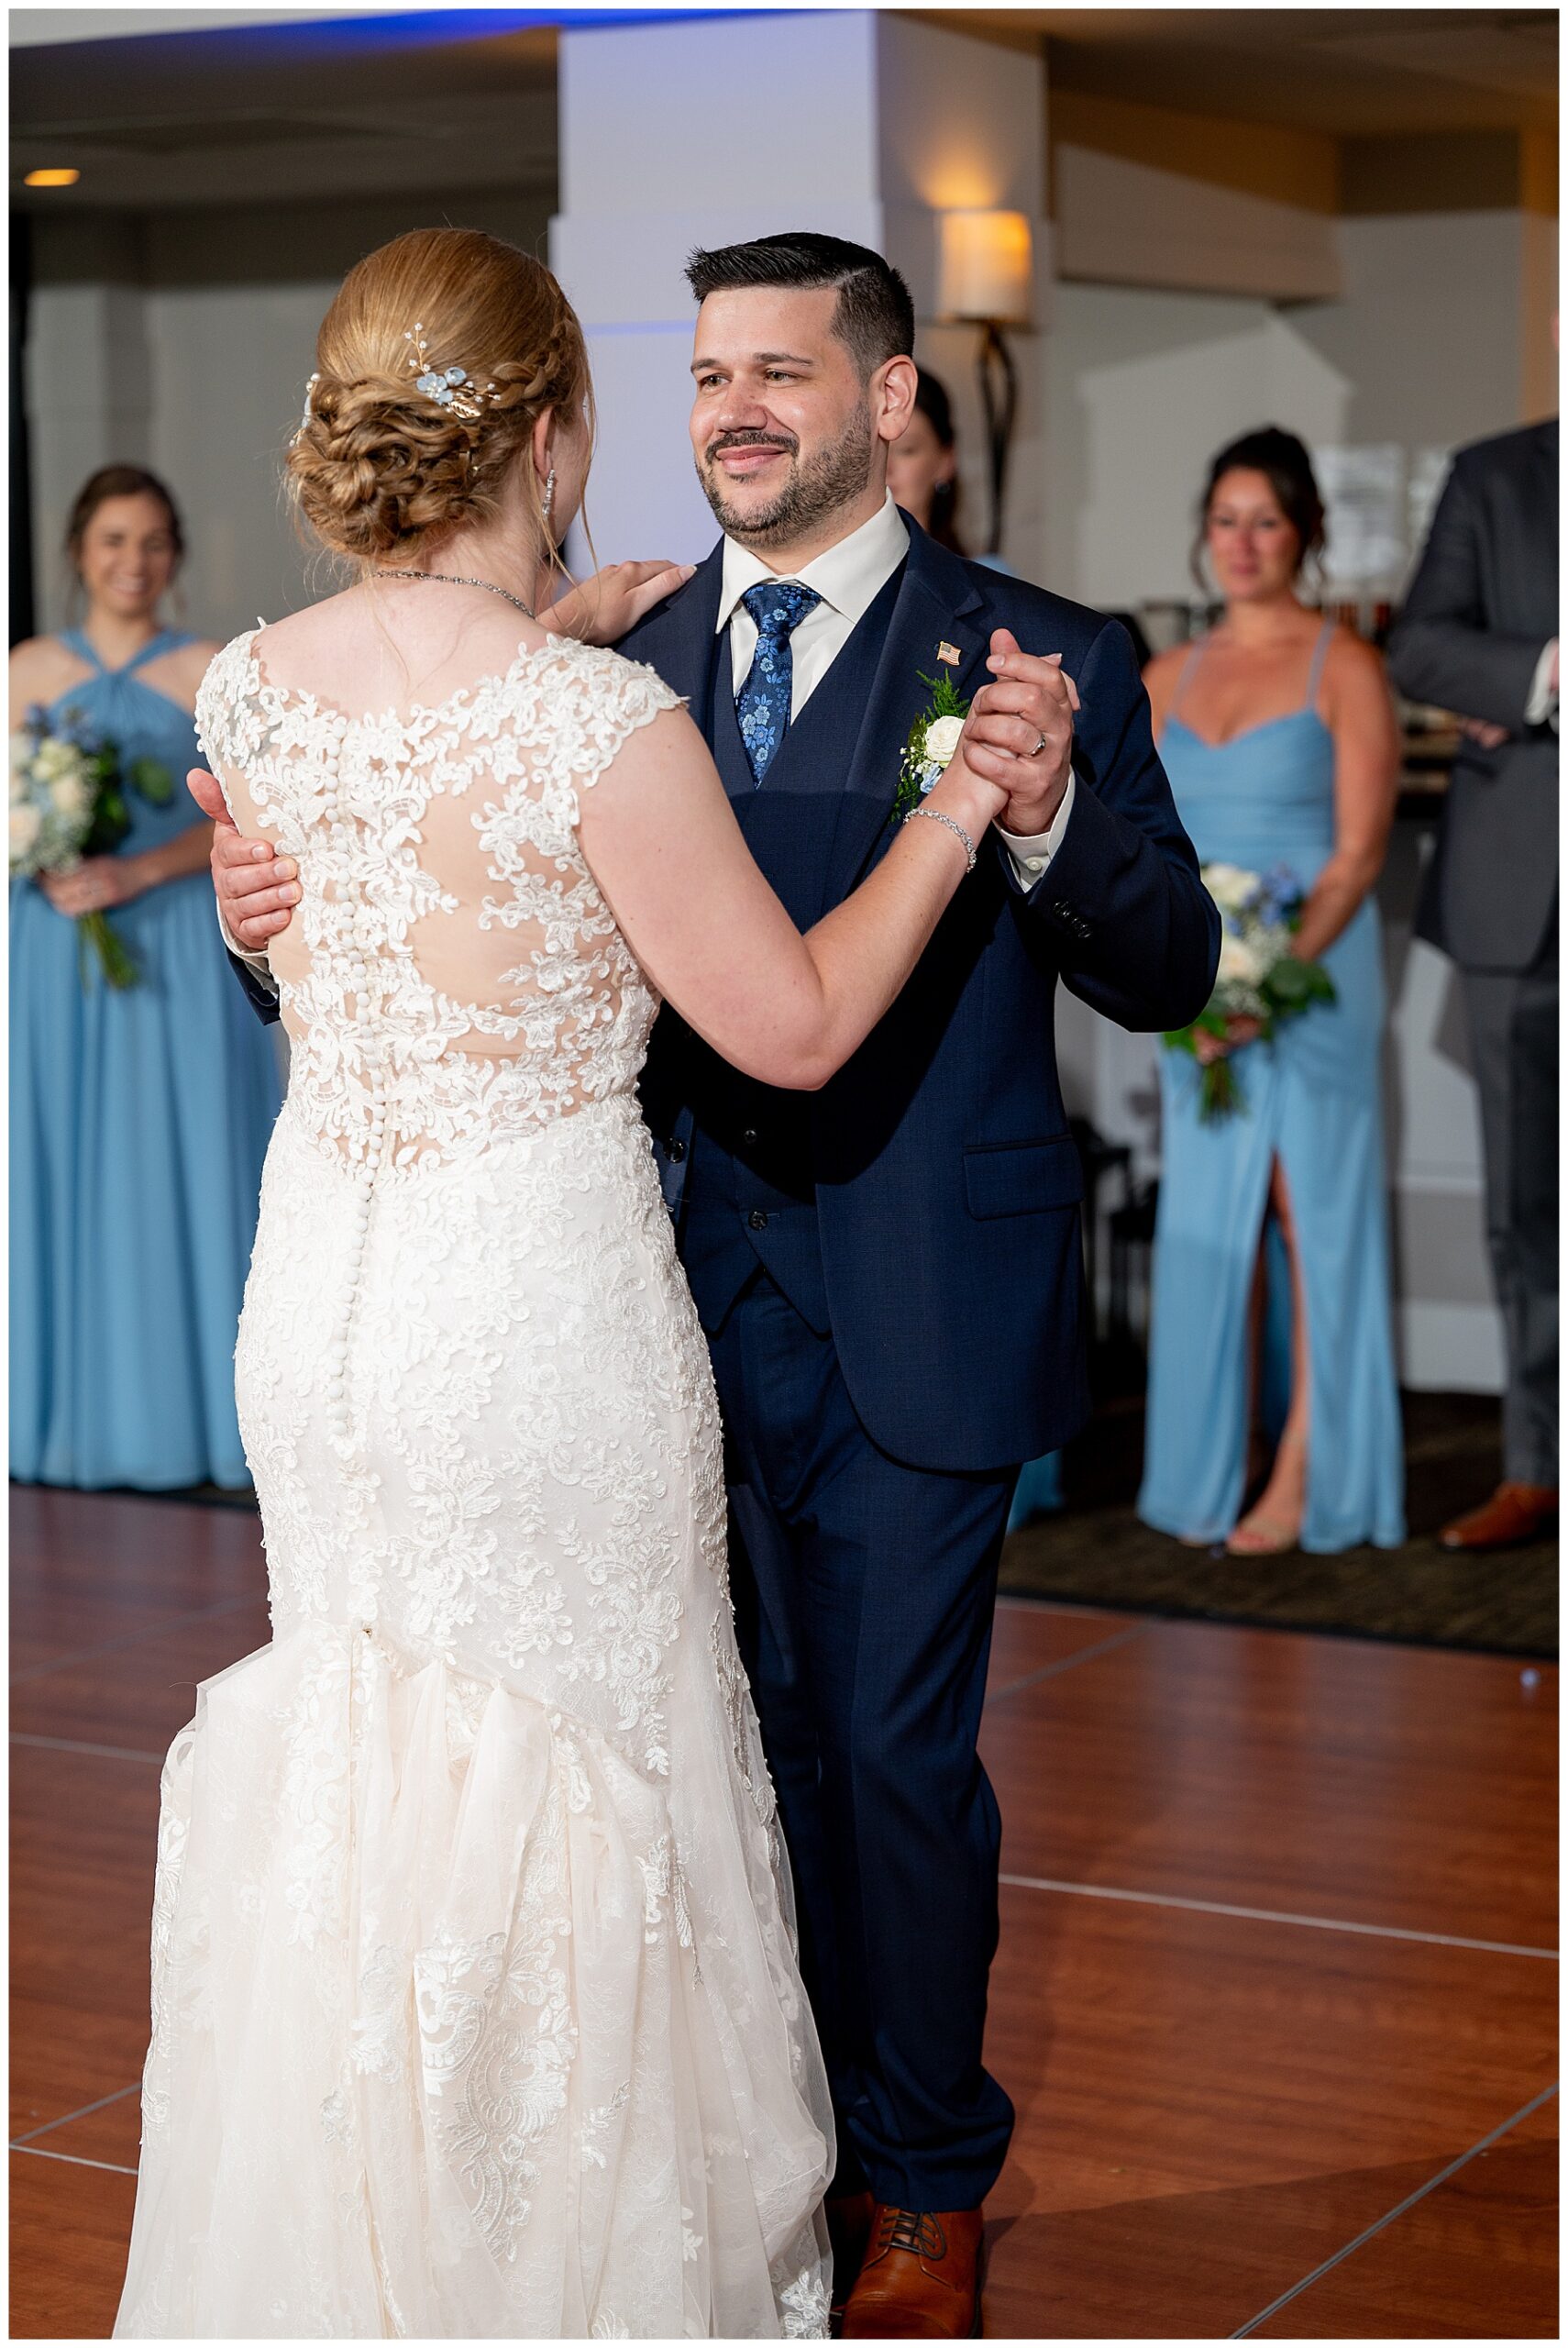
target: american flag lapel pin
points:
(950, 654)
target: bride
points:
(475, 2009)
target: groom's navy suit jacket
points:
(925, 1204)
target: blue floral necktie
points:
(762, 704)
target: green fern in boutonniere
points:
(933, 738)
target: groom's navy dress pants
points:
(864, 1597)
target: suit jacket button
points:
(748, 1139)
(757, 1219)
(675, 1151)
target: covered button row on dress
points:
(364, 1191)
(356, 974)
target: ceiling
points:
(458, 98)
(1368, 72)
(260, 112)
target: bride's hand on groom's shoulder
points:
(604, 607)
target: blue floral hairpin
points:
(445, 385)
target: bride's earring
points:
(549, 498)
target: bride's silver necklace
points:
(450, 578)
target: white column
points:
(710, 131)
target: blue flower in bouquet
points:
(1279, 897)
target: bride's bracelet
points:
(959, 833)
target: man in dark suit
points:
(1478, 635)
(890, 1270)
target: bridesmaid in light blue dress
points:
(1278, 737)
(138, 1119)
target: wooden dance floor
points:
(1275, 1996)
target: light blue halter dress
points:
(1312, 1100)
(139, 1125)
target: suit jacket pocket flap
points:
(1022, 1177)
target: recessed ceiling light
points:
(52, 178)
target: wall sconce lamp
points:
(52, 178)
(986, 280)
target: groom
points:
(890, 1270)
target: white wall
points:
(1427, 334)
(1140, 388)
(1422, 350)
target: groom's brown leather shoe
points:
(849, 2230)
(1515, 1512)
(921, 2276)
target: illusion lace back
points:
(476, 2008)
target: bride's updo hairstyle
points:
(382, 470)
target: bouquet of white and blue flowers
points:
(1260, 977)
(67, 801)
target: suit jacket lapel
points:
(937, 604)
(679, 639)
(1547, 448)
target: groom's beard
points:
(834, 477)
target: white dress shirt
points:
(848, 578)
(1541, 709)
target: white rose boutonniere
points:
(933, 743)
(940, 742)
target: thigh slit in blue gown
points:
(1265, 798)
(139, 1125)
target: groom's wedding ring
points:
(1040, 746)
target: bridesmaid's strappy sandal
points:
(1262, 1536)
(1259, 1534)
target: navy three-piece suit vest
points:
(750, 1185)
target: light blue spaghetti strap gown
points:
(139, 1125)
(1312, 1100)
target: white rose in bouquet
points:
(55, 763)
(71, 796)
(1240, 964)
(1229, 885)
(26, 822)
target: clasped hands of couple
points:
(1012, 767)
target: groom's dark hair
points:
(875, 315)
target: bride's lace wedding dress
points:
(476, 2010)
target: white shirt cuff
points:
(1031, 856)
(1542, 703)
(257, 962)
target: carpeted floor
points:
(1095, 1552)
